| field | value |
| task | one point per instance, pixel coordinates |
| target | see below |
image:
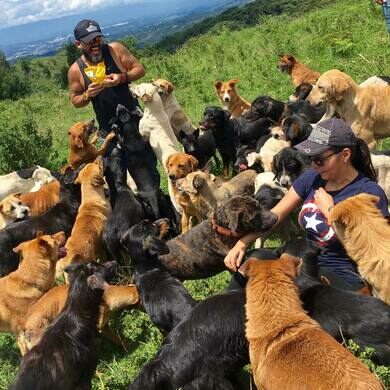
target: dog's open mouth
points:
(61, 252)
(243, 167)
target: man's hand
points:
(113, 79)
(94, 89)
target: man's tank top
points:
(106, 102)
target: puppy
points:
(265, 107)
(287, 349)
(205, 193)
(178, 118)
(355, 103)
(305, 110)
(72, 338)
(81, 150)
(298, 72)
(364, 231)
(164, 297)
(35, 275)
(269, 150)
(11, 209)
(25, 180)
(296, 129)
(229, 97)
(48, 307)
(301, 92)
(85, 241)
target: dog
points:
(229, 97)
(178, 166)
(265, 107)
(298, 72)
(287, 349)
(301, 92)
(81, 150)
(201, 146)
(217, 120)
(204, 351)
(296, 129)
(164, 297)
(11, 209)
(205, 194)
(359, 224)
(72, 337)
(268, 151)
(178, 118)
(85, 241)
(199, 253)
(248, 132)
(47, 308)
(61, 217)
(288, 164)
(354, 104)
(35, 276)
(25, 180)
(381, 163)
(305, 110)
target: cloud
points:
(16, 12)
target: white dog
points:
(25, 180)
(11, 209)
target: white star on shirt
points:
(312, 222)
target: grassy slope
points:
(350, 35)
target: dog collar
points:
(224, 231)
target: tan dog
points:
(178, 118)
(81, 150)
(85, 242)
(43, 199)
(299, 72)
(178, 166)
(365, 109)
(365, 234)
(11, 209)
(47, 308)
(205, 191)
(229, 97)
(34, 277)
(287, 349)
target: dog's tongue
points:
(243, 167)
(61, 252)
(202, 127)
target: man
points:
(386, 11)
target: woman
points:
(341, 168)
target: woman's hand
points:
(323, 201)
(234, 258)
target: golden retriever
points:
(364, 108)
(365, 234)
(288, 349)
(299, 72)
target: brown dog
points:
(229, 97)
(287, 349)
(34, 277)
(47, 308)
(299, 72)
(205, 191)
(365, 109)
(178, 166)
(81, 150)
(365, 234)
(11, 209)
(85, 242)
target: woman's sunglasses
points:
(320, 160)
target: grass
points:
(349, 35)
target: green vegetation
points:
(348, 34)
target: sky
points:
(17, 12)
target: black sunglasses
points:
(320, 161)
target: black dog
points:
(301, 92)
(59, 217)
(164, 297)
(66, 357)
(126, 212)
(202, 147)
(304, 109)
(204, 351)
(217, 120)
(288, 164)
(248, 132)
(296, 129)
(140, 158)
(265, 107)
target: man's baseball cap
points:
(331, 132)
(86, 30)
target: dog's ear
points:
(218, 85)
(170, 87)
(17, 195)
(198, 182)
(96, 283)
(79, 143)
(292, 265)
(168, 160)
(163, 226)
(193, 163)
(182, 134)
(233, 82)
(74, 266)
(291, 58)
(196, 132)
(19, 248)
(154, 246)
(325, 281)
(337, 87)
(235, 219)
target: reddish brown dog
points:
(299, 72)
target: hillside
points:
(348, 34)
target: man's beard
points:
(95, 59)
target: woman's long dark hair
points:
(360, 158)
